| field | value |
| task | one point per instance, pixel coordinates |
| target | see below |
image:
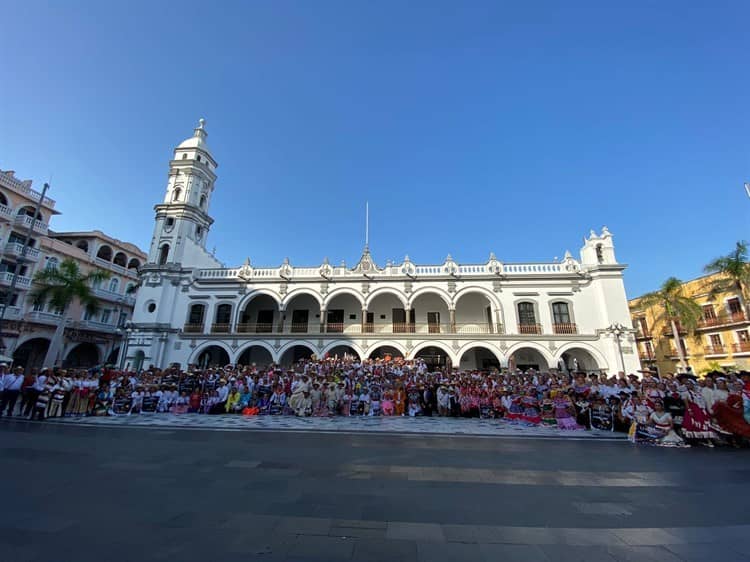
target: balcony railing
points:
(667, 331)
(255, 328)
(714, 350)
(6, 278)
(193, 328)
(95, 325)
(343, 328)
(673, 352)
(742, 347)
(24, 221)
(6, 212)
(16, 250)
(564, 328)
(43, 317)
(220, 328)
(530, 329)
(722, 320)
(646, 357)
(643, 334)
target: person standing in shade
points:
(10, 383)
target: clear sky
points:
(469, 126)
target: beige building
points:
(27, 329)
(720, 340)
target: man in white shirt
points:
(10, 383)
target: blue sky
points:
(469, 126)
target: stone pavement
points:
(353, 424)
(75, 493)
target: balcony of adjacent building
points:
(22, 282)
(672, 352)
(716, 350)
(24, 221)
(741, 348)
(729, 318)
(16, 250)
(117, 261)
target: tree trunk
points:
(678, 344)
(50, 360)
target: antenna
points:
(367, 224)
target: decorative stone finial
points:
(492, 256)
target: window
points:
(198, 232)
(106, 315)
(224, 314)
(203, 201)
(199, 158)
(708, 312)
(560, 313)
(599, 253)
(151, 307)
(526, 314)
(87, 315)
(114, 285)
(163, 254)
(715, 340)
(83, 245)
(196, 314)
(643, 325)
(176, 194)
(121, 320)
(649, 349)
(38, 307)
(734, 306)
(184, 156)
(743, 336)
(51, 263)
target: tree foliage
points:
(61, 285)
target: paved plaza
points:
(117, 491)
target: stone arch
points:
(286, 361)
(386, 343)
(30, 352)
(543, 352)
(104, 252)
(247, 318)
(120, 259)
(134, 264)
(477, 311)
(261, 344)
(83, 354)
(3, 199)
(438, 344)
(207, 346)
(256, 293)
(500, 358)
(386, 290)
(598, 358)
(342, 291)
(491, 296)
(430, 289)
(343, 343)
(301, 291)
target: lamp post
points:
(618, 330)
(128, 331)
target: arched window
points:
(184, 156)
(114, 285)
(120, 259)
(83, 245)
(599, 253)
(203, 201)
(51, 263)
(176, 194)
(104, 253)
(197, 313)
(223, 313)
(163, 254)
(134, 264)
(560, 313)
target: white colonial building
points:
(192, 310)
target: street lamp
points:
(128, 330)
(618, 330)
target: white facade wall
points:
(477, 303)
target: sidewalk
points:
(355, 424)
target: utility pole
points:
(21, 259)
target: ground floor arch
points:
(82, 355)
(255, 354)
(527, 357)
(30, 354)
(342, 350)
(435, 356)
(212, 356)
(578, 359)
(479, 357)
(385, 352)
(295, 353)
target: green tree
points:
(60, 286)
(735, 271)
(674, 308)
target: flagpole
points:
(367, 224)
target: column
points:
(280, 325)
(323, 320)
(364, 319)
(452, 315)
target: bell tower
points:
(182, 220)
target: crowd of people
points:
(670, 410)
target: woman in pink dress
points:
(697, 421)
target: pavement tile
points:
(459, 533)
(647, 537)
(568, 553)
(642, 554)
(450, 552)
(707, 552)
(519, 535)
(304, 526)
(512, 553)
(588, 537)
(374, 550)
(424, 532)
(309, 547)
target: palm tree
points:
(60, 286)
(674, 308)
(735, 269)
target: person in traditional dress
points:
(697, 422)
(548, 409)
(659, 429)
(565, 412)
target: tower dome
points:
(198, 140)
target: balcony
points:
(673, 352)
(14, 249)
(6, 213)
(43, 317)
(667, 331)
(95, 326)
(567, 328)
(722, 320)
(193, 328)
(742, 347)
(643, 334)
(11, 312)
(645, 357)
(344, 328)
(6, 278)
(112, 296)
(255, 328)
(530, 329)
(714, 350)
(25, 221)
(220, 328)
